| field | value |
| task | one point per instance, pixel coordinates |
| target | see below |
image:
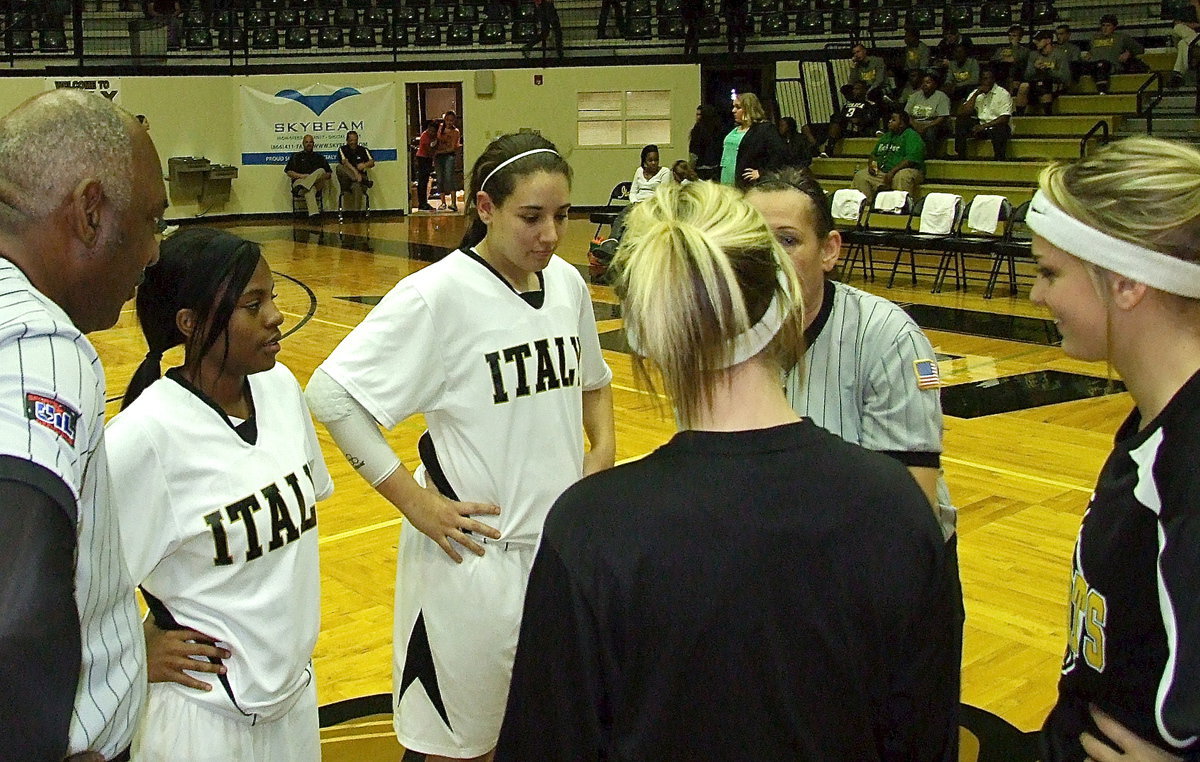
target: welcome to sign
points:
(274, 124)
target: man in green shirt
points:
(897, 161)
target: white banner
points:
(274, 125)
(110, 88)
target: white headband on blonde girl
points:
(746, 344)
(510, 160)
(1155, 269)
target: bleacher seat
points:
(363, 37)
(52, 41)
(883, 20)
(709, 27)
(232, 39)
(406, 15)
(1039, 13)
(272, 5)
(961, 16)
(996, 13)
(638, 9)
(195, 19)
(396, 36)
(428, 35)
(525, 12)
(346, 18)
(921, 17)
(265, 38)
(829, 5)
(287, 18)
(376, 17)
(760, 7)
(225, 20)
(303, 4)
(298, 38)
(436, 14)
(20, 40)
(844, 21)
(199, 38)
(491, 33)
(638, 28)
(671, 28)
(810, 22)
(524, 31)
(795, 6)
(315, 17)
(775, 24)
(669, 8)
(331, 37)
(497, 12)
(464, 14)
(359, 3)
(460, 34)
(257, 18)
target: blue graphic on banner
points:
(281, 157)
(317, 103)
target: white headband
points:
(1155, 269)
(510, 160)
(746, 344)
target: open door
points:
(437, 178)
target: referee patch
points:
(52, 414)
(927, 374)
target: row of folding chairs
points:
(939, 224)
(302, 38)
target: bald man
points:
(309, 171)
(77, 229)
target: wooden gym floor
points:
(1020, 478)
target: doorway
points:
(429, 103)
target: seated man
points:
(867, 69)
(916, 53)
(962, 74)
(309, 172)
(353, 162)
(1062, 38)
(1047, 74)
(985, 115)
(858, 118)
(1112, 52)
(929, 108)
(897, 161)
(943, 52)
(1010, 60)
(1185, 26)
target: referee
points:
(78, 225)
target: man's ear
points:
(87, 202)
(185, 321)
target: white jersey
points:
(870, 376)
(223, 531)
(52, 414)
(499, 380)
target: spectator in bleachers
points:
(547, 19)
(1112, 52)
(55, 14)
(648, 176)
(1062, 38)
(309, 172)
(691, 11)
(449, 138)
(704, 143)
(985, 116)
(353, 162)
(943, 53)
(916, 53)
(753, 146)
(1184, 30)
(867, 69)
(910, 86)
(168, 13)
(929, 108)
(426, 145)
(737, 24)
(858, 118)
(798, 150)
(1047, 74)
(614, 7)
(962, 74)
(897, 162)
(1010, 60)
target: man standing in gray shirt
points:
(1112, 52)
(1047, 74)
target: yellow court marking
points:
(361, 530)
(1018, 474)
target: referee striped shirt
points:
(861, 381)
(52, 415)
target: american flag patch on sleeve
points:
(927, 374)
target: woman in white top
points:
(648, 176)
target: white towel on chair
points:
(890, 201)
(985, 213)
(847, 202)
(937, 216)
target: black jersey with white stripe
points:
(1133, 637)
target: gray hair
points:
(52, 142)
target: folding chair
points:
(608, 215)
(871, 233)
(971, 241)
(1016, 243)
(928, 235)
(847, 206)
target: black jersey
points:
(1133, 640)
(776, 594)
